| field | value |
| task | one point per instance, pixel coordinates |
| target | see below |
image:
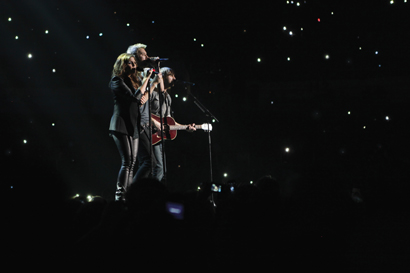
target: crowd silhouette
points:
(245, 226)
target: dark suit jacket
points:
(126, 116)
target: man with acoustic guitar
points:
(159, 100)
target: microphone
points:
(145, 70)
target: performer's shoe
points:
(120, 194)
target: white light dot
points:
(184, 98)
(290, 33)
(53, 124)
(332, 13)
(271, 102)
(87, 37)
(301, 29)
(392, 2)
(46, 32)
(387, 118)
(348, 112)
(213, 120)
(327, 57)
(225, 174)
(54, 71)
(29, 56)
(287, 149)
(364, 127)
(194, 39)
(251, 182)
(298, 4)
(128, 24)
(101, 34)
(376, 52)
(176, 95)
(288, 59)
(17, 37)
(284, 28)
(24, 141)
(360, 48)
(9, 19)
(202, 45)
(259, 60)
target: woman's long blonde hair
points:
(120, 66)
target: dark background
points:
(262, 107)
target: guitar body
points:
(168, 134)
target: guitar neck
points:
(182, 127)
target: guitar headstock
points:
(206, 127)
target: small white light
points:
(54, 70)
(271, 102)
(213, 120)
(284, 28)
(259, 60)
(288, 59)
(194, 39)
(301, 29)
(332, 13)
(101, 34)
(298, 4)
(53, 124)
(17, 37)
(348, 112)
(225, 175)
(87, 37)
(89, 198)
(251, 182)
(25, 141)
(202, 45)
(364, 127)
(176, 95)
(46, 32)
(360, 48)
(290, 33)
(387, 118)
(327, 57)
(184, 98)
(392, 2)
(376, 52)
(9, 19)
(128, 24)
(29, 56)
(287, 149)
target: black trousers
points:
(128, 149)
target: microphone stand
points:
(162, 99)
(209, 116)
